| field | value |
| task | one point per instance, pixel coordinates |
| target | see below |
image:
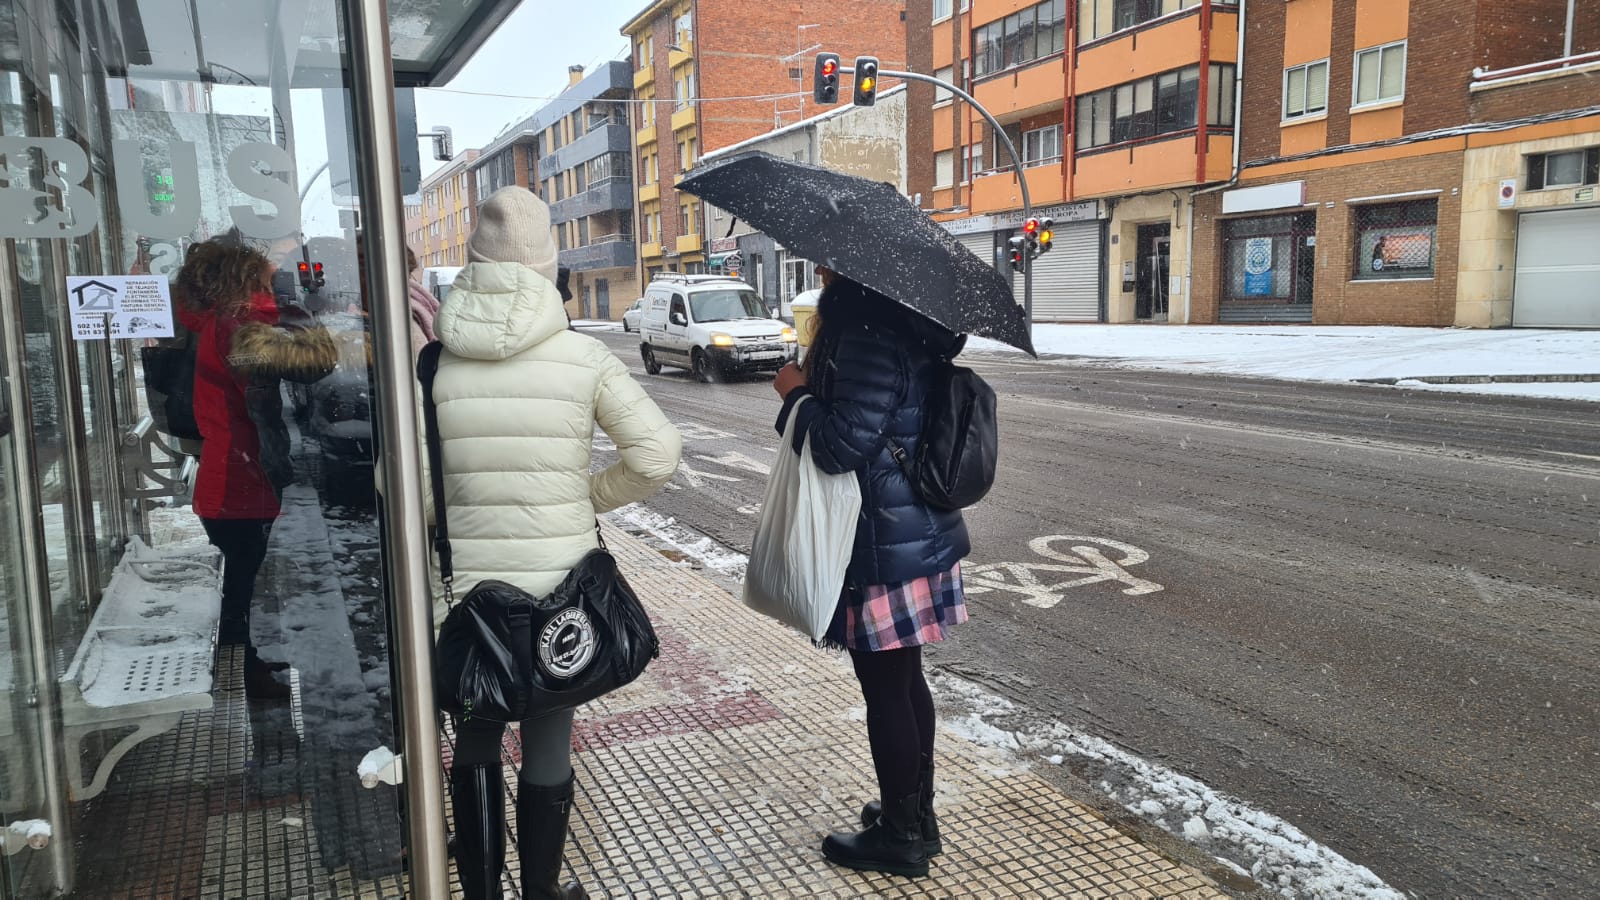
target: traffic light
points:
(312, 278)
(305, 276)
(866, 80)
(1017, 248)
(1047, 234)
(825, 86)
(317, 278)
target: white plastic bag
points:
(803, 540)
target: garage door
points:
(1558, 274)
(1066, 281)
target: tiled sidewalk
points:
(720, 770)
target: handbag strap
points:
(427, 368)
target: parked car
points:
(633, 319)
(713, 326)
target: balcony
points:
(648, 192)
(689, 243)
(614, 193)
(1165, 162)
(644, 76)
(998, 191)
(1163, 44)
(676, 58)
(683, 118)
(651, 250)
(598, 142)
(1033, 88)
(612, 251)
(646, 135)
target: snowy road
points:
(1368, 611)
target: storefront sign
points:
(62, 207)
(1258, 267)
(1087, 211)
(1508, 193)
(724, 244)
(137, 306)
(1267, 196)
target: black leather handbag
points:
(505, 655)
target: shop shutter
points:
(1066, 281)
(1558, 280)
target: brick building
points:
(691, 58)
(1411, 162)
(1118, 109)
(576, 153)
(437, 228)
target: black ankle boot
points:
(892, 844)
(930, 825)
(477, 798)
(542, 814)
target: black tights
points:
(900, 723)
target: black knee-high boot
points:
(542, 815)
(477, 798)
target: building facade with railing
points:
(1118, 110)
(1421, 162)
(576, 153)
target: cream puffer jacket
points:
(519, 397)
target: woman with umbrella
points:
(868, 377)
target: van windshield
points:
(723, 306)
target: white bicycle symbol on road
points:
(1089, 563)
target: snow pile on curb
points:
(665, 529)
(1247, 840)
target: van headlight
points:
(787, 335)
(718, 339)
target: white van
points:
(711, 325)
(437, 280)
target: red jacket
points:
(234, 352)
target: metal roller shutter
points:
(1066, 281)
(981, 244)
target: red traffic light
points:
(1031, 226)
(829, 67)
(304, 267)
(317, 267)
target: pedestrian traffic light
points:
(866, 80)
(825, 86)
(1016, 253)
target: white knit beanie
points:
(514, 226)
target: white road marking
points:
(697, 478)
(1092, 565)
(736, 460)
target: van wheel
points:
(700, 366)
(651, 366)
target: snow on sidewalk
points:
(1348, 353)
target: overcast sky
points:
(528, 56)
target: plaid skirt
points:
(891, 616)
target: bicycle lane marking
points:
(1037, 582)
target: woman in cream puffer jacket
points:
(519, 397)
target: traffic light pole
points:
(1011, 150)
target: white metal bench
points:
(147, 657)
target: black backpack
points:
(169, 387)
(955, 463)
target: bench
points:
(147, 657)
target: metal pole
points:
(1011, 150)
(38, 656)
(399, 462)
(1567, 44)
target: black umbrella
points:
(868, 232)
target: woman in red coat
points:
(243, 350)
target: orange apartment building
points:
(692, 59)
(438, 226)
(1119, 109)
(1411, 162)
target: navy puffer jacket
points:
(867, 384)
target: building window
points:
(940, 95)
(941, 9)
(641, 53)
(972, 163)
(1380, 74)
(686, 154)
(1022, 37)
(1395, 240)
(1098, 18)
(1166, 104)
(684, 28)
(1219, 111)
(944, 168)
(1571, 168)
(1041, 146)
(687, 226)
(1305, 90)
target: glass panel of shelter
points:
(201, 728)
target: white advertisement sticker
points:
(138, 306)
